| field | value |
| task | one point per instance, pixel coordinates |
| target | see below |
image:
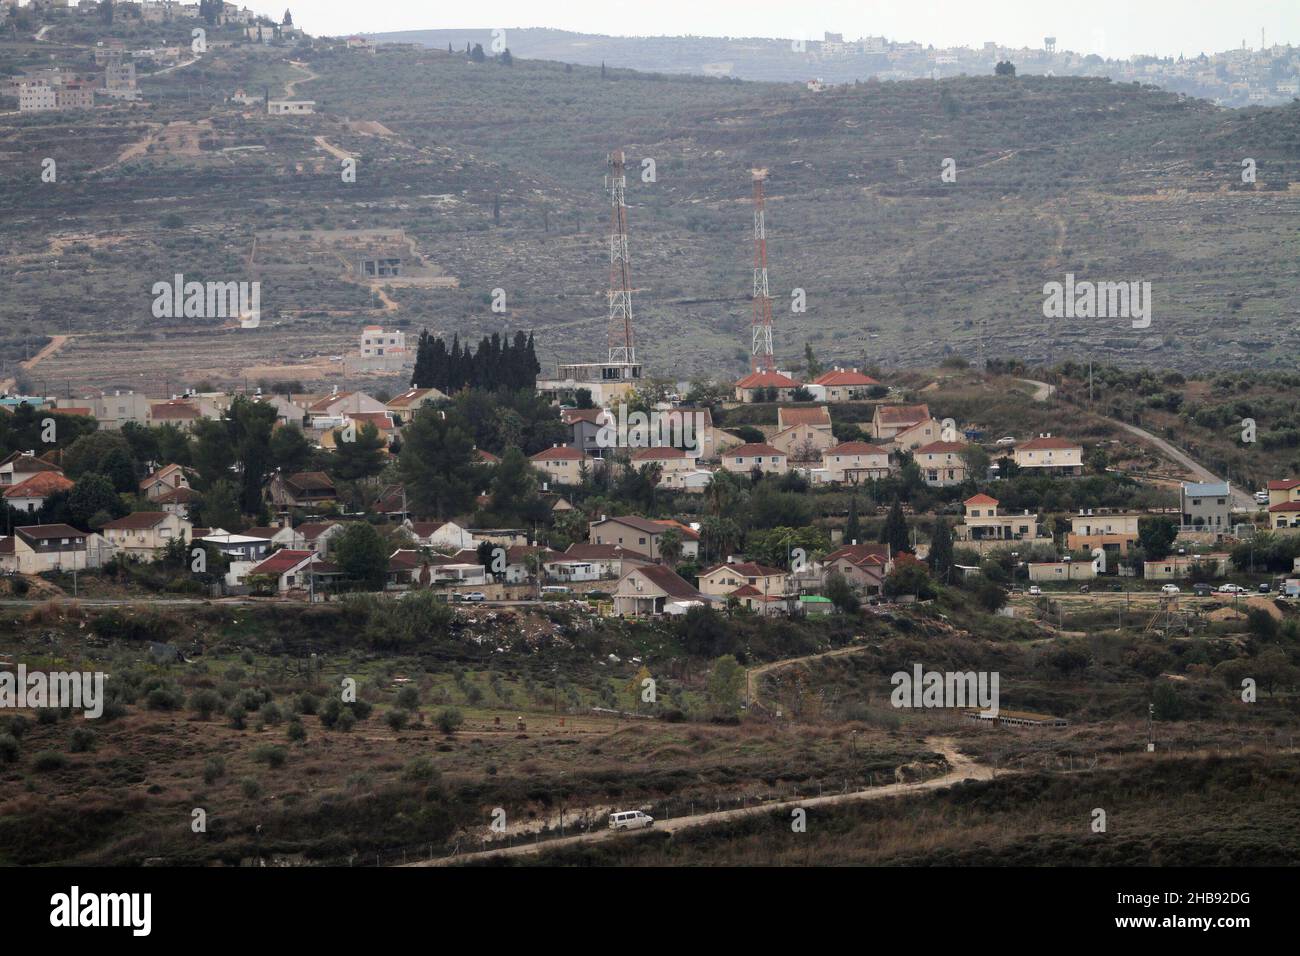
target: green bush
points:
(250, 788)
(397, 718)
(449, 719)
(49, 760)
(163, 698)
(214, 768)
(296, 731)
(408, 698)
(9, 749)
(81, 740)
(271, 754)
(205, 703)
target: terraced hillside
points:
(495, 172)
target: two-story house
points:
(743, 459)
(1049, 455)
(142, 535)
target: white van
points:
(556, 589)
(630, 820)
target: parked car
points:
(1035, 589)
(1006, 440)
(1169, 589)
(1202, 590)
(1117, 587)
(475, 596)
(1261, 497)
(630, 820)
(1231, 589)
(1265, 587)
(1084, 589)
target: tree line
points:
(497, 363)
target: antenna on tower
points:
(761, 344)
(621, 346)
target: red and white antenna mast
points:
(621, 345)
(761, 346)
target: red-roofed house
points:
(755, 586)
(669, 460)
(888, 421)
(561, 464)
(1284, 514)
(178, 412)
(842, 385)
(165, 479)
(592, 562)
(941, 463)
(855, 461)
(405, 406)
(1050, 455)
(302, 490)
(641, 535)
(289, 569)
(1283, 490)
(765, 387)
(803, 433)
(863, 566)
(29, 494)
(18, 466)
(745, 458)
(982, 522)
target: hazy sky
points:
(1116, 28)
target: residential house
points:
(1061, 572)
(842, 385)
(18, 466)
(916, 436)
(112, 411)
(1206, 506)
(641, 535)
(803, 433)
(336, 405)
(670, 461)
(179, 412)
(691, 428)
(403, 407)
(983, 522)
(292, 570)
(655, 589)
(863, 566)
(1113, 533)
(692, 481)
(745, 458)
(852, 462)
(166, 479)
(383, 422)
(143, 535)
(177, 501)
(888, 420)
(754, 586)
(29, 494)
(306, 489)
(765, 387)
(585, 426)
(592, 562)
(1176, 566)
(941, 463)
(1049, 455)
(562, 465)
(33, 549)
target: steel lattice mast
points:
(761, 345)
(621, 345)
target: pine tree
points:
(940, 559)
(894, 532)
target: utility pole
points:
(761, 325)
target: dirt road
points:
(56, 342)
(963, 768)
(755, 674)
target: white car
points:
(1231, 589)
(1169, 589)
(1006, 440)
(1035, 589)
(630, 820)
(474, 596)
(1261, 497)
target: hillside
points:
(494, 173)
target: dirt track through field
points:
(963, 768)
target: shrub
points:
(271, 755)
(449, 719)
(270, 713)
(81, 740)
(17, 725)
(296, 731)
(214, 768)
(307, 704)
(9, 749)
(237, 716)
(408, 698)
(397, 718)
(250, 788)
(205, 703)
(421, 770)
(345, 722)
(163, 698)
(49, 760)
(47, 715)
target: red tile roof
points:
(902, 414)
(941, 448)
(844, 376)
(138, 521)
(753, 448)
(581, 551)
(789, 417)
(282, 561)
(669, 581)
(980, 499)
(40, 485)
(174, 410)
(558, 453)
(658, 454)
(856, 448)
(1285, 506)
(1049, 441)
(1283, 484)
(767, 380)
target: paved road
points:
(1240, 499)
(963, 768)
